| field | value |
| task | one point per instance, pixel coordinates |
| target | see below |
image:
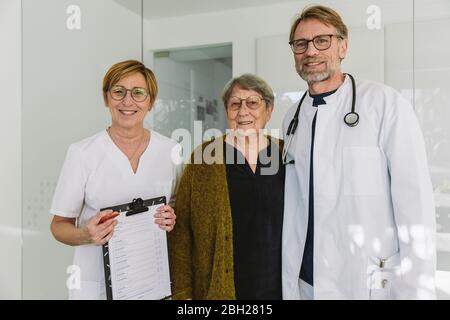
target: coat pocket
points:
(381, 273)
(362, 171)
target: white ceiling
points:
(157, 9)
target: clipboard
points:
(117, 250)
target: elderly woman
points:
(227, 244)
(123, 162)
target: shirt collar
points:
(318, 99)
(330, 99)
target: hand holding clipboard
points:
(99, 229)
(164, 216)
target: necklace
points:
(131, 157)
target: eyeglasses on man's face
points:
(252, 102)
(320, 42)
(119, 93)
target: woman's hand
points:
(100, 233)
(165, 217)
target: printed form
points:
(138, 258)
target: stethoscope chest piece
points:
(351, 119)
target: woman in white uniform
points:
(116, 165)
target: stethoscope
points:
(351, 119)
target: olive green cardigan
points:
(201, 244)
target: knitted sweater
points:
(201, 244)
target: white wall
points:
(259, 36)
(63, 71)
(239, 27)
(242, 27)
(10, 144)
(432, 99)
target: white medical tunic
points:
(374, 216)
(96, 175)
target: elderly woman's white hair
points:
(249, 81)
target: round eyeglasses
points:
(252, 102)
(119, 93)
(321, 42)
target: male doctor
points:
(359, 219)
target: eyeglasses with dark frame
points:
(321, 42)
(119, 93)
(252, 102)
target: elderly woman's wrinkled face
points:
(129, 101)
(247, 111)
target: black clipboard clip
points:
(136, 206)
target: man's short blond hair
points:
(325, 15)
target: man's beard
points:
(317, 76)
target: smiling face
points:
(128, 113)
(246, 120)
(315, 65)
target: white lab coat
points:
(373, 199)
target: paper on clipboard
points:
(136, 259)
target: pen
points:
(109, 216)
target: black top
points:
(257, 203)
(318, 99)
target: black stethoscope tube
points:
(351, 119)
